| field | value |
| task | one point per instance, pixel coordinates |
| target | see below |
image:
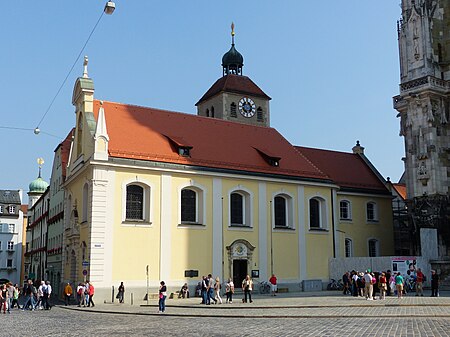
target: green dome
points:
(232, 58)
(38, 186)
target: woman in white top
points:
(217, 287)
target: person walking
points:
(10, 295)
(217, 287)
(162, 296)
(399, 285)
(247, 287)
(383, 286)
(368, 286)
(86, 293)
(68, 291)
(91, 295)
(229, 291)
(80, 293)
(3, 298)
(121, 293)
(16, 294)
(420, 277)
(273, 285)
(434, 284)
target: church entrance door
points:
(239, 272)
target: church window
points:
(317, 214)
(345, 210)
(85, 203)
(135, 203)
(371, 212)
(188, 205)
(233, 111)
(212, 112)
(259, 115)
(348, 248)
(79, 134)
(207, 112)
(280, 212)
(240, 209)
(373, 248)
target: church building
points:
(176, 196)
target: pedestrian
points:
(162, 296)
(10, 295)
(204, 290)
(91, 295)
(3, 298)
(80, 294)
(217, 287)
(383, 286)
(40, 295)
(420, 277)
(346, 280)
(247, 287)
(388, 278)
(368, 286)
(121, 292)
(68, 293)
(49, 295)
(29, 291)
(229, 290)
(16, 297)
(434, 284)
(399, 285)
(86, 293)
(210, 290)
(354, 283)
(273, 284)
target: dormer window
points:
(270, 158)
(182, 147)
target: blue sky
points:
(331, 68)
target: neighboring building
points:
(224, 193)
(55, 225)
(362, 204)
(11, 224)
(423, 106)
(36, 246)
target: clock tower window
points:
(207, 112)
(259, 115)
(212, 112)
(233, 111)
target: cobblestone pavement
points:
(288, 315)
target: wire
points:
(70, 71)
(14, 128)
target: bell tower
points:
(235, 97)
(423, 109)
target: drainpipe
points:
(333, 224)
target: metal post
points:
(146, 268)
(271, 237)
(131, 298)
(112, 295)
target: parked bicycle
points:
(264, 287)
(335, 285)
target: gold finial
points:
(40, 161)
(232, 29)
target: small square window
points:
(10, 245)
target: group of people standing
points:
(84, 294)
(9, 295)
(386, 283)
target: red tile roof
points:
(347, 170)
(234, 83)
(148, 134)
(401, 190)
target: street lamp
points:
(109, 7)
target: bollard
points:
(131, 298)
(112, 295)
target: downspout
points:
(333, 224)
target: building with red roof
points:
(181, 196)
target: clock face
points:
(247, 107)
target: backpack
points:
(80, 291)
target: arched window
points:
(240, 209)
(135, 203)
(79, 134)
(188, 205)
(259, 115)
(212, 112)
(373, 248)
(233, 111)
(280, 211)
(317, 213)
(207, 112)
(371, 212)
(345, 210)
(85, 203)
(348, 248)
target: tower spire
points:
(232, 33)
(232, 61)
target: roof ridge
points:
(309, 161)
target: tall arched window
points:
(135, 202)
(317, 213)
(280, 211)
(207, 112)
(348, 248)
(212, 112)
(188, 205)
(79, 134)
(259, 115)
(373, 248)
(85, 203)
(371, 211)
(345, 210)
(237, 209)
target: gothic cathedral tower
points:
(235, 97)
(423, 106)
